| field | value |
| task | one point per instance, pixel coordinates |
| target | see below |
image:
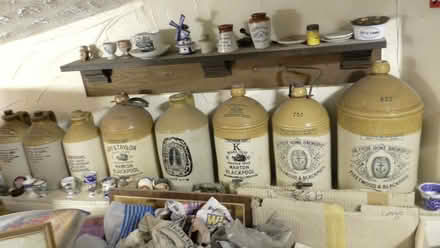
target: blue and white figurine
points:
(183, 37)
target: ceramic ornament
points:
(84, 53)
(110, 50)
(183, 38)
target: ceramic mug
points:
(110, 49)
(125, 47)
(147, 42)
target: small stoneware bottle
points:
(227, 42)
(44, 149)
(260, 29)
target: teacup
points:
(110, 49)
(125, 47)
(147, 42)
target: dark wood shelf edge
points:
(275, 50)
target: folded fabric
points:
(121, 219)
(133, 214)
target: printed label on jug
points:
(85, 156)
(123, 158)
(244, 159)
(380, 166)
(176, 157)
(379, 163)
(303, 159)
(260, 33)
(238, 159)
(186, 157)
(48, 162)
(132, 158)
(13, 161)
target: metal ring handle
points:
(137, 101)
(319, 70)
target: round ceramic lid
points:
(240, 112)
(380, 95)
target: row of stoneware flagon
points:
(379, 128)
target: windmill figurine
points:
(183, 37)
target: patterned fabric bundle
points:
(121, 219)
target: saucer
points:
(335, 40)
(292, 39)
(149, 55)
(338, 35)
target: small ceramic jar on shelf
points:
(227, 42)
(125, 47)
(313, 36)
(110, 49)
(84, 53)
(260, 29)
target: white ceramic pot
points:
(369, 28)
(373, 32)
(260, 29)
(227, 42)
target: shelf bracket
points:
(97, 76)
(359, 59)
(215, 69)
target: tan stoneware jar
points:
(189, 98)
(184, 145)
(241, 140)
(83, 147)
(301, 142)
(379, 128)
(44, 149)
(128, 139)
(13, 160)
(260, 30)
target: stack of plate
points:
(340, 36)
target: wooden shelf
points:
(56, 199)
(274, 50)
(343, 62)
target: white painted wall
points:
(420, 68)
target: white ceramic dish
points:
(292, 39)
(149, 55)
(339, 35)
(335, 40)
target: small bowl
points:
(431, 195)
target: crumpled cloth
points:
(122, 219)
